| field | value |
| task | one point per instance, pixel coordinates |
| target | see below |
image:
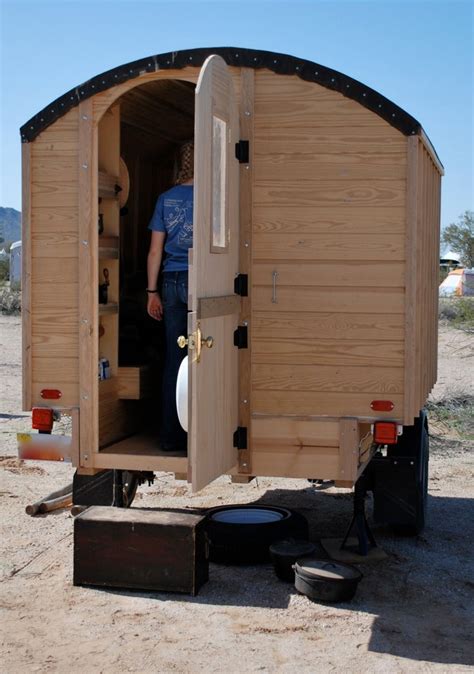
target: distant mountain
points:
(10, 225)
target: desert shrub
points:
(10, 301)
(4, 268)
(454, 413)
(458, 311)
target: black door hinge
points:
(240, 437)
(241, 337)
(242, 151)
(241, 285)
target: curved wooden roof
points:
(249, 58)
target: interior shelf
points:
(109, 186)
(134, 383)
(108, 309)
(109, 247)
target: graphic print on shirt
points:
(179, 213)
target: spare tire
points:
(242, 534)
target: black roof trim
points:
(281, 64)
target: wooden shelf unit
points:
(110, 406)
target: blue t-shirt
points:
(174, 216)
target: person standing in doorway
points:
(171, 237)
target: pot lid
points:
(326, 569)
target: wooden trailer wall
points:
(339, 236)
(50, 302)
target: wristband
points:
(151, 291)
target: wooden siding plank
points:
(411, 278)
(322, 403)
(335, 326)
(69, 391)
(329, 166)
(294, 434)
(62, 368)
(340, 353)
(328, 219)
(246, 115)
(367, 379)
(49, 297)
(54, 244)
(296, 246)
(319, 463)
(26, 230)
(336, 193)
(47, 270)
(339, 300)
(48, 343)
(88, 283)
(348, 449)
(55, 219)
(351, 273)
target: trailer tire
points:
(98, 489)
(242, 534)
(401, 481)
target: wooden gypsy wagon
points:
(314, 269)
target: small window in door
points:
(219, 234)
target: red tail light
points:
(385, 433)
(42, 419)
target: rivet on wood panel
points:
(85, 243)
(84, 166)
(246, 244)
(85, 397)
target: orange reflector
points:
(50, 393)
(385, 433)
(42, 419)
(382, 405)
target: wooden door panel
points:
(213, 267)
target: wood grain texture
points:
(348, 449)
(352, 379)
(52, 244)
(247, 114)
(26, 277)
(339, 300)
(322, 403)
(291, 433)
(214, 380)
(324, 247)
(330, 325)
(311, 351)
(328, 220)
(88, 282)
(343, 273)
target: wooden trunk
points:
(140, 549)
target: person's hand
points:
(155, 307)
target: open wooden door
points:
(213, 370)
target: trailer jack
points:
(359, 524)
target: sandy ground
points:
(413, 611)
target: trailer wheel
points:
(98, 489)
(242, 534)
(401, 481)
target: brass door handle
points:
(195, 342)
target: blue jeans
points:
(174, 296)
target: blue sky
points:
(417, 53)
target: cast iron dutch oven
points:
(284, 555)
(325, 580)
